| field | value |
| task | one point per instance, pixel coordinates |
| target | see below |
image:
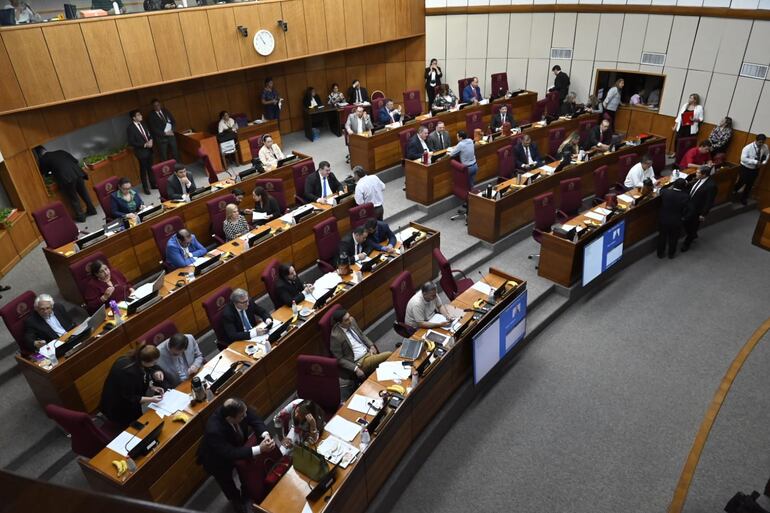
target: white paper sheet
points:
(482, 287)
(360, 403)
(172, 402)
(438, 318)
(626, 198)
(326, 282)
(49, 349)
(220, 369)
(118, 444)
(143, 290)
(343, 429)
(259, 216)
(391, 371)
(307, 508)
(593, 215)
(337, 451)
(200, 260)
(603, 211)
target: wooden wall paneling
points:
(354, 22)
(70, 59)
(375, 18)
(178, 108)
(11, 96)
(395, 74)
(33, 127)
(318, 79)
(355, 72)
(197, 40)
(395, 51)
(238, 98)
(414, 48)
(335, 34)
(376, 80)
(389, 17)
(661, 125)
(356, 57)
(336, 75)
(33, 66)
(296, 85)
(11, 137)
(106, 53)
(315, 26)
(58, 120)
(226, 37)
(26, 181)
(739, 140)
(217, 101)
(139, 49)
(247, 15)
(270, 13)
(373, 54)
(169, 45)
(403, 17)
(335, 60)
(418, 16)
(198, 112)
(296, 39)
(315, 63)
(415, 77)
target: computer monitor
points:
(90, 239)
(207, 265)
(71, 11)
(7, 17)
(147, 443)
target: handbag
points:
(277, 471)
(309, 462)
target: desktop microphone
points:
(208, 376)
(491, 288)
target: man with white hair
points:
(243, 318)
(48, 322)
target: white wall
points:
(703, 55)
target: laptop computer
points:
(150, 212)
(90, 239)
(248, 172)
(411, 349)
(342, 195)
(207, 265)
(278, 332)
(83, 332)
(286, 160)
(147, 443)
(370, 265)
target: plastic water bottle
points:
(294, 307)
(53, 358)
(115, 8)
(116, 312)
(415, 378)
(365, 439)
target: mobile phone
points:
(406, 364)
(137, 425)
(362, 421)
(235, 243)
(182, 274)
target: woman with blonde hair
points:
(570, 146)
(234, 224)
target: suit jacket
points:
(287, 291)
(384, 117)
(497, 121)
(136, 140)
(352, 95)
(674, 207)
(347, 246)
(313, 187)
(567, 109)
(158, 123)
(414, 149)
(438, 142)
(703, 199)
(306, 101)
(191, 356)
(353, 123)
(62, 165)
(521, 155)
(343, 351)
(561, 84)
(120, 207)
(95, 289)
(439, 74)
(595, 137)
(468, 94)
(35, 327)
(126, 384)
(272, 208)
(233, 325)
(174, 187)
(222, 445)
(175, 256)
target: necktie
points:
(441, 135)
(390, 113)
(141, 129)
(160, 115)
(238, 431)
(358, 95)
(358, 248)
(355, 336)
(323, 187)
(245, 321)
(474, 92)
(502, 120)
(529, 157)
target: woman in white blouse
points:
(226, 122)
(689, 118)
(270, 153)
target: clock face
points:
(264, 43)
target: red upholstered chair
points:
(377, 106)
(474, 120)
(412, 103)
(213, 306)
(625, 163)
(253, 472)
(208, 166)
(461, 85)
(451, 286)
(55, 225)
(460, 187)
(555, 138)
(103, 190)
(496, 108)
(318, 379)
(499, 85)
(159, 333)
(506, 163)
(601, 184)
(269, 276)
(325, 325)
(657, 153)
(217, 213)
(14, 313)
(163, 231)
(327, 241)
(545, 217)
(377, 94)
(584, 128)
(87, 438)
(539, 111)
(300, 172)
(274, 187)
(430, 123)
(683, 144)
(402, 290)
(162, 171)
(403, 139)
(552, 105)
(570, 197)
(255, 144)
(79, 271)
(360, 214)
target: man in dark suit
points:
(357, 94)
(140, 139)
(69, 176)
(702, 193)
(355, 245)
(356, 354)
(180, 185)
(439, 139)
(417, 144)
(673, 209)
(162, 126)
(502, 117)
(389, 113)
(321, 184)
(600, 136)
(527, 154)
(48, 322)
(560, 83)
(226, 432)
(241, 317)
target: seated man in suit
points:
(226, 432)
(472, 93)
(321, 184)
(355, 246)
(182, 249)
(180, 358)
(380, 231)
(501, 118)
(600, 136)
(356, 354)
(243, 318)
(358, 122)
(389, 113)
(439, 139)
(527, 154)
(417, 144)
(357, 94)
(289, 287)
(48, 322)
(180, 185)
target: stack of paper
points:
(172, 402)
(593, 215)
(361, 403)
(123, 443)
(482, 287)
(342, 428)
(625, 198)
(603, 211)
(391, 371)
(325, 283)
(336, 451)
(259, 216)
(207, 369)
(438, 318)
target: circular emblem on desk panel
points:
(221, 302)
(158, 338)
(109, 187)
(269, 186)
(22, 309)
(166, 170)
(316, 370)
(168, 229)
(50, 214)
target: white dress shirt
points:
(752, 156)
(55, 325)
(636, 176)
(369, 189)
(529, 155)
(359, 348)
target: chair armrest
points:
(325, 266)
(218, 238)
(299, 200)
(458, 271)
(562, 216)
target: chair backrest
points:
(412, 103)
(474, 120)
(377, 94)
(570, 196)
(538, 111)
(555, 138)
(217, 213)
(601, 182)
(460, 184)
(300, 172)
(657, 152)
(401, 290)
(462, 84)
(103, 190)
(499, 85)
(55, 225)
(269, 276)
(253, 472)
(584, 128)
(255, 144)
(213, 306)
(325, 325)
(210, 172)
(162, 172)
(682, 145)
(447, 281)
(430, 123)
(505, 162)
(545, 211)
(403, 139)
(163, 231)
(552, 105)
(159, 333)
(327, 240)
(79, 271)
(377, 106)
(496, 108)
(87, 438)
(318, 379)
(14, 313)
(625, 163)
(274, 187)
(360, 214)
(719, 158)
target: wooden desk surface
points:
(761, 236)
